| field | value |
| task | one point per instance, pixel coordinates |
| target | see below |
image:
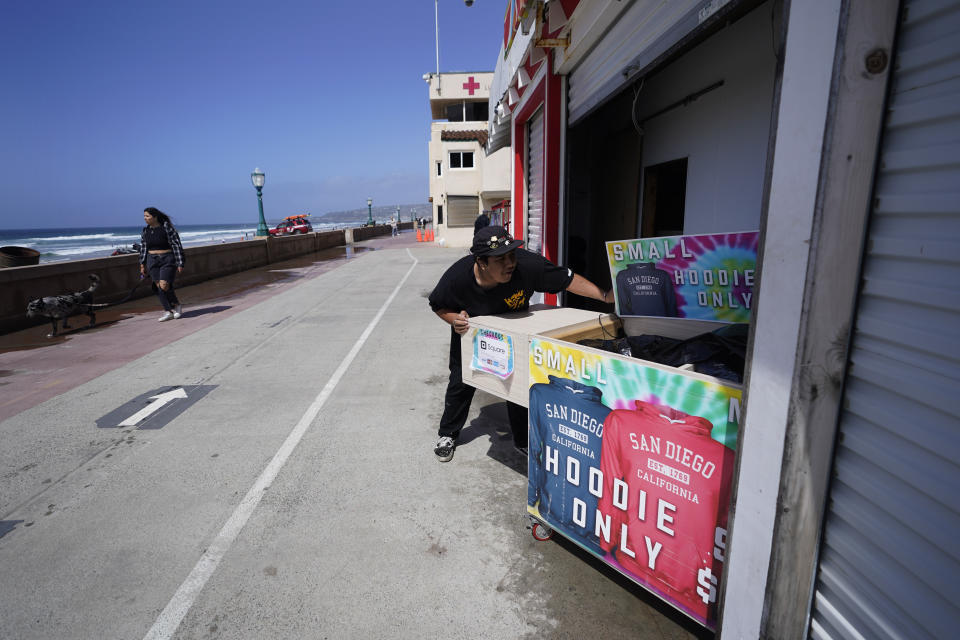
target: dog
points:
(62, 307)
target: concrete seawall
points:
(120, 274)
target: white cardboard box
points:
(519, 327)
(569, 325)
(669, 327)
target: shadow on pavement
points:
(231, 287)
(193, 313)
(493, 423)
(666, 610)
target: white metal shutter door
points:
(534, 240)
(889, 556)
(640, 34)
(462, 211)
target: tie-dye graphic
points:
(712, 274)
(623, 381)
(681, 566)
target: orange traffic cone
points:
(419, 237)
(430, 235)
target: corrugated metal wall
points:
(889, 559)
(534, 239)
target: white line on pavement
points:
(173, 614)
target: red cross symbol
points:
(471, 84)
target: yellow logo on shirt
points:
(516, 300)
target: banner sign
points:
(702, 277)
(492, 352)
(633, 463)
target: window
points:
(477, 111)
(461, 159)
(439, 214)
(454, 112)
(439, 168)
(467, 111)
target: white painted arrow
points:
(158, 401)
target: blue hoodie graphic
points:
(644, 290)
(566, 417)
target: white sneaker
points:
(177, 312)
(167, 315)
(445, 448)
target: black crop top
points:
(155, 238)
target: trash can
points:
(18, 257)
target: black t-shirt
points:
(458, 289)
(155, 238)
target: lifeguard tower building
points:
(464, 180)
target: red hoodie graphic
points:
(666, 489)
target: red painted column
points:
(548, 95)
(519, 202)
(552, 105)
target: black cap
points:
(493, 241)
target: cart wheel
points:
(541, 531)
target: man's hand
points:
(461, 323)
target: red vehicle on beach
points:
(293, 224)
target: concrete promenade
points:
(299, 496)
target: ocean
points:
(56, 245)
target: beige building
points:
(464, 181)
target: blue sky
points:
(108, 107)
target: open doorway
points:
(604, 171)
(664, 198)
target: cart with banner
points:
(631, 456)
(632, 459)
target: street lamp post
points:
(369, 212)
(257, 178)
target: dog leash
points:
(124, 299)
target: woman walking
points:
(161, 257)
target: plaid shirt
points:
(173, 237)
